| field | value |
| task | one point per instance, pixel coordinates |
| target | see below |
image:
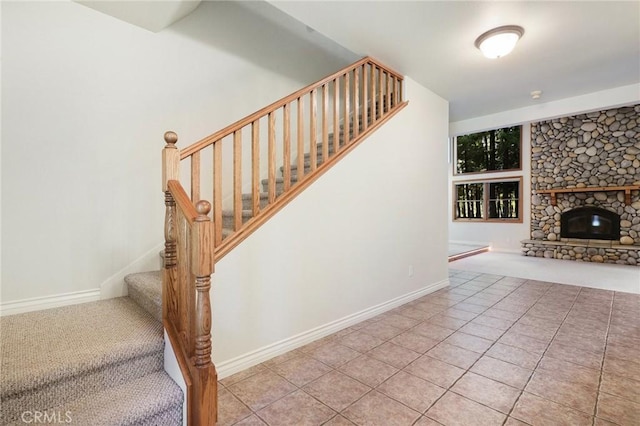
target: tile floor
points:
(488, 350)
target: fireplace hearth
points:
(590, 223)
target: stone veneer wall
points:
(587, 150)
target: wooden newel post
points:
(170, 171)
(202, 261)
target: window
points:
(489, 200)
(492, 150)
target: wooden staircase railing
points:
(305, 133)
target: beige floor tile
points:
(414, 341)
(493, 322)
(412, 391)
(426, 421)
(573, 395)
(482, 331)
(580, 343)
(261, 389)
(434, 371)
(514, 355)
(455, 410)
(618, 410)
(296, 409)
(381, 330)
(502, 371)
(301, 370)
(432, 331)
(500, 314)
(622, 367)
(361, 342)
(377, 409)
(395, 355)
(469, 342)
(235, 378)
(446, 321)
(334, 354)
(368, 370)
(252, 420)
(454, 355)
(629, 353)
(417, 314)
(459, 314)
(567, 353)
(230, 409)
(538, 411)
(400, 321)
(514, 422)
(620, 386)
(470, 307)
(336, 390)
(569, 372)
(339, 421)
(527, 343)
(488, 392)
(543, 334)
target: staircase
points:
(98, 363)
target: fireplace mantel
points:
(627, 191)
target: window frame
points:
(485, 200)
(455, 155)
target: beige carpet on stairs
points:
(80, 358)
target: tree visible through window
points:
(497, 149)
(488, 200)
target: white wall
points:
(344, 245)
(507, 236)
(85, 101)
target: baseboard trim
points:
(242, 362)
(48, 302)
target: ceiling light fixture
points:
(499, 41)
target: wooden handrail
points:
(197, 146)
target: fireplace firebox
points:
(590, 223)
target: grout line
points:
(604, 354)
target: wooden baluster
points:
(325, 122)
(336, 114)
(170, 171)
(346, 112)
(272, 157)
(217, 192)
(380, 94)
(286, 151)
(373, 105)
(195, 175)
(300, 168)
(313, 141)
(365, 98)
(255, 167)
(388, 77)
(202, 261)
(356, 102)
(237, 180)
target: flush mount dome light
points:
(499, 41)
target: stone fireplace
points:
(585, 181)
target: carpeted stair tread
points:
(57, 355)
(145, 288)
(154, 399)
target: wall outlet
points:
(410, 270)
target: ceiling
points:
(568, 49)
